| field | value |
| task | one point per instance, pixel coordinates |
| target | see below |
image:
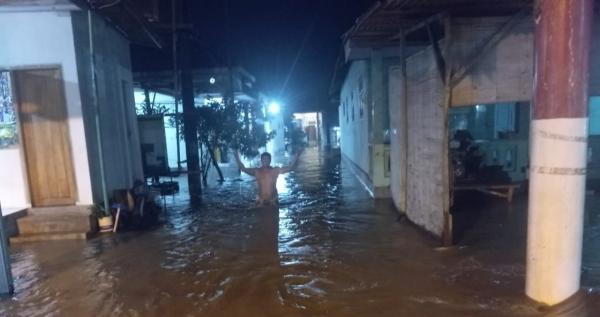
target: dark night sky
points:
(265, 37)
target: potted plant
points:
(105, 220)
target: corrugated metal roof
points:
(386, 18)
(33, 2)
(130, 16)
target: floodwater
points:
(329, 250)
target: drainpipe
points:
(558, 149)
(97, 112)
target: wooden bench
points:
(499, 190)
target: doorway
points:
(45, 136)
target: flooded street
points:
(328, 251)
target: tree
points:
(294, 136)
(223, 125)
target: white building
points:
(70, 138)
(364, 117)
(210, 85)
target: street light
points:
(274, 107)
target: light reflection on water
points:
(329, 250)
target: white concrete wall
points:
(30, 40)
(354, 140)
(424, 188)
(152, 131)
(118, 121)
(364, 120)
(170, 131)
(505, 73)
(380, 123)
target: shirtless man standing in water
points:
(266, 177)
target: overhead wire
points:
(108, 5)
(300, 50)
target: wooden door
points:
(45, 136)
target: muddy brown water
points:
(329, 250)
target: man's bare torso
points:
(266, 179)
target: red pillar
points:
(558, 148)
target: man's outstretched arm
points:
(292, 166)
(243, 168)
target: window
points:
(8, 118)
(594, 114)
(505, 119)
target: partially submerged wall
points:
(37, 40)
(502, 74)
(353, 114)
(118, 121)
(425, 190)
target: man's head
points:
(265, 159)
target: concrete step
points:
(59, 210)
(24, 238)
(55, 223)
(47, 224)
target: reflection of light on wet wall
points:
(282, 185)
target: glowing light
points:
(212, 80)
(274, 107)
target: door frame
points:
(22, 150)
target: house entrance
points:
(45, 136)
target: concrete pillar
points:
(558, 149)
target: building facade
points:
(75, 135)
(364, 118)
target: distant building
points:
(364, 121)
(211, 84)
(311, 124)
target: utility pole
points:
(190, 131)
(558, 149)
